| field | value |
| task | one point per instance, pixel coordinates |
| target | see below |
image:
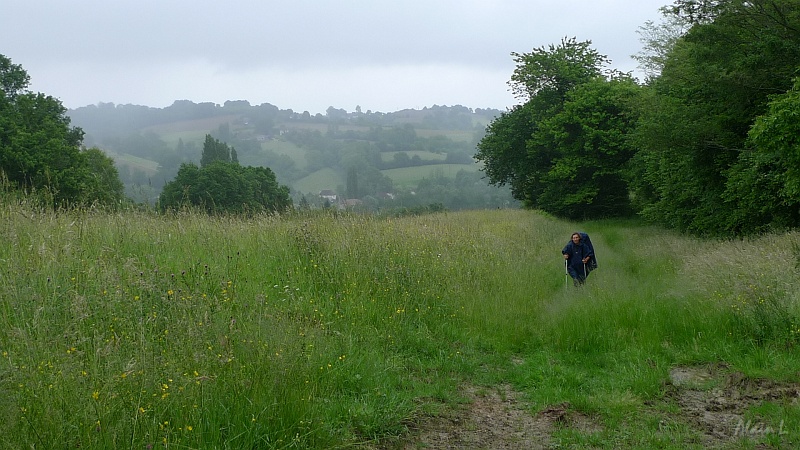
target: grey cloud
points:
(149, 46)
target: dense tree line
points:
(707, 145)
(41, 153)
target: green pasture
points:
(197, 125)
(411, 176)
(319, 331)
(190, 130)
(425, 156)
(289, 149)
(321, 127)
(326, 178)
(134, 162)
(455, 135)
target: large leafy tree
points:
(714, 82)
(40, 151)
(764, 185)
(587, 176)
(215, 150)
(565, 149)
(104, 184)
(221, 185)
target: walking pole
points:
(566, 274)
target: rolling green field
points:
(289, 149)
(456, 135)
(137, 330)
(425, 156)
(321, 179)
(189, 130)
(411, 176)
(134, 162)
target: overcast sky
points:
(304, 55)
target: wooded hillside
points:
(407, 158)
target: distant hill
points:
(106, 120)
(379, 152)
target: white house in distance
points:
(329, 195)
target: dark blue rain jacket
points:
(575, 266)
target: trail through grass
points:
(135, 330)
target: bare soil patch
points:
(494, 419)
(712, 400)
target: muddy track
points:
(711, 400)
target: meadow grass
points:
(136, 330)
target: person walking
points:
(578, 259)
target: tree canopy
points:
(696, 159)
(565, 150)
(222, 185)
(40, 152)
(707, 145)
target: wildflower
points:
(95, 395)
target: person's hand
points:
(586, 260)
(566, 256)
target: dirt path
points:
(494, 419)
(712, 401)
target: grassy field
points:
(313, 183)
(281, 147)
(410, 177)
(134, 162)
(134, 330)
(456, 135)
(189, 130)
(425, 156)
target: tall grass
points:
(135, 330)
